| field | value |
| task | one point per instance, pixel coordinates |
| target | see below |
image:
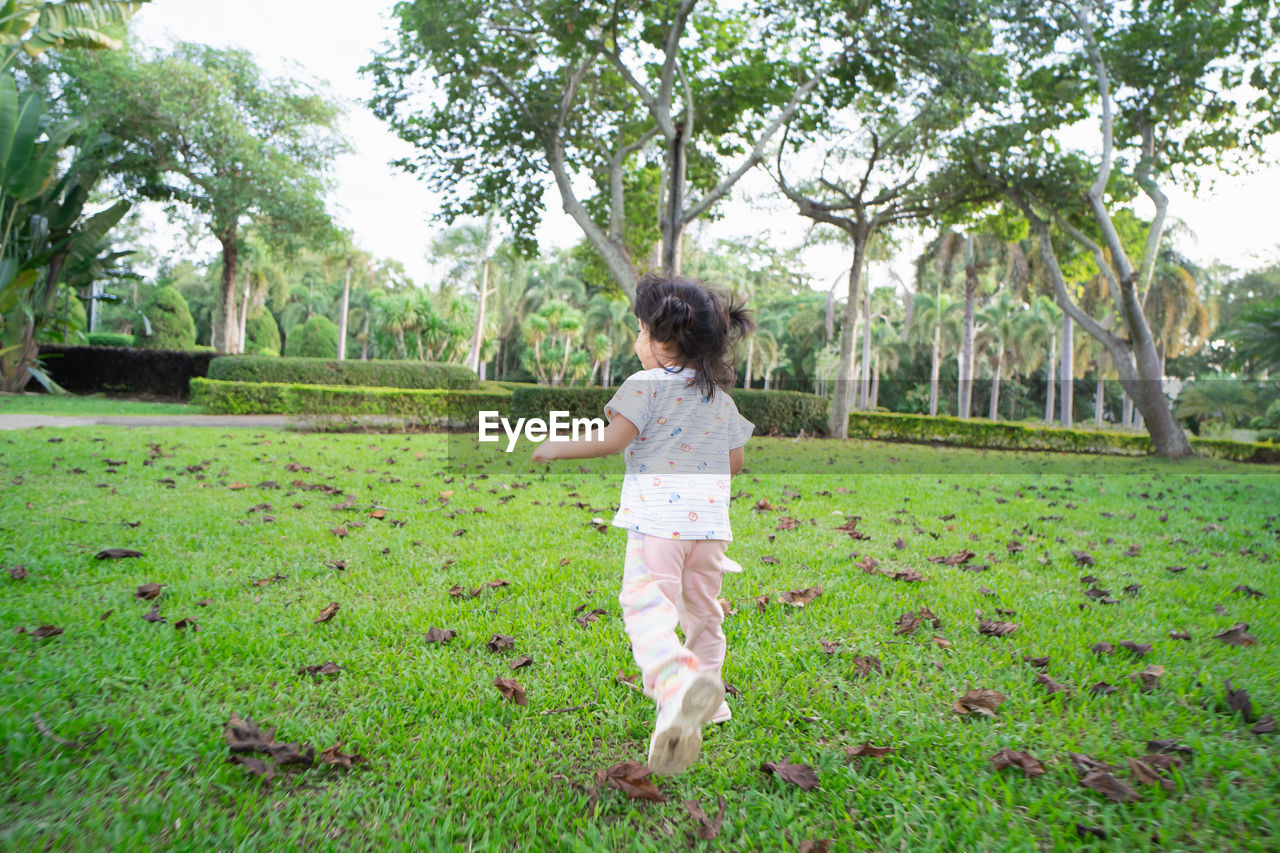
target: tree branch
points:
(616, 206)
(1143, 176)
(757, 152)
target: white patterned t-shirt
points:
(677, 479)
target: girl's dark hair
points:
(701, 323)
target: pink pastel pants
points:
(666, 582)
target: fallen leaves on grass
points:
(851, 527)
(186, 622)
(864, 664)
(1102, 688)
(1238, 700)
(1029, 764)
(866, 750)
(153, 615)
(996, 629)
(1236, 636)
(1051, 685)
(1150, 770)
(116, 554)
(522, 660)
(341, 759)
(1248, 591)
(511, 690)
(962, 556)
(17, 572)
(43, 631)
(270, 580)
(327, 613)
(328, 668)
(1138, 649)
(1149, 678)
(800, 597)
(632, 778)
(146, 592)
(981, 701)
(908, 622)
(501, 642)
(441, 635)
(587, 618)
(707, 829)
(801, 775)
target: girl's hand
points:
(545, 452)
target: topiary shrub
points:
(110, 339)
(262, 333)
(316, 338)
(171, 325)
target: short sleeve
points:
(633, 400)
(740, 429)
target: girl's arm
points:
(618, 434)
(736, 457)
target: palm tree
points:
(613, 318)
(937, 321)
(1229, 400)
(1000, 321)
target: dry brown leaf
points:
(1236, 636)
(440, 635)
(148, 591)
(866, 750)
(632, 778)
(501, 642)
(800, 597)
(327, 613)
(341, 759)
(707, 829)
(1030, 765)
(982, 701)
(511, 690)
(801, 775)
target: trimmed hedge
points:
(418, 407)
(979, 432)
(171, 325)
(772, 412)
(110, 339)
(164, 373)
(324, 371)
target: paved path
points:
(233, 421)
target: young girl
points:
(683, 438)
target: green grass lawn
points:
(87, 405)
(453, 765)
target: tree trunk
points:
(864, 390)
(838, 422)
(1126, 410)
(672, 226)
(751, 347)
(1049, 375)
(933, 370)
(342, 313)
(224, 312)
(966, 344)
(243, 321)
(875, 384)
(993, 410)
(473, 359)
(1099, 396)
(1067, 382)
(608, 372)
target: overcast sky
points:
(390, 212)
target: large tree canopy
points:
(203, 127)
(499, 98)
(1171, 88)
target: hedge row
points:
(415, 406)
(323, 371)
(979, 432)
(164, 373)
(772, 412)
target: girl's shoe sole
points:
(677, 747)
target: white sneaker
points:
(677, 735)
(722, 714)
